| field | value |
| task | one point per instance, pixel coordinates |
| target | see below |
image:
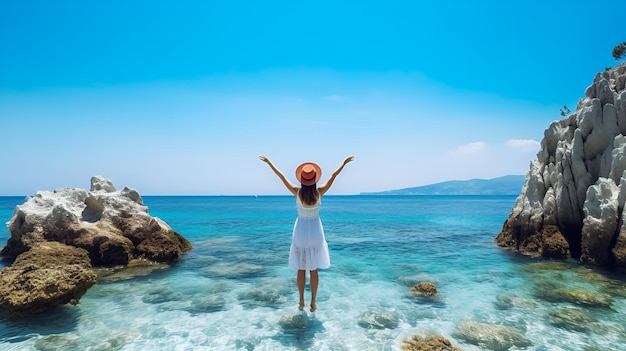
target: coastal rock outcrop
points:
(56, 238)
(114, 227)
(49, 274)
(425, 289)
(572, 201)
(428, 343)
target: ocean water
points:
(235, 292)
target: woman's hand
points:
(264, 159)
(348, 159)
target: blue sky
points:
(180, 97)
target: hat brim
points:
(318, 174)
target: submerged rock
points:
(47, 275)
(206, 304)
(135, 268)
(550, 266)
(425, 292)
(56, 342)
(376, 319)
(428, 343)
(572, 201)
(299, 320)
(262, 296)
(425, 289)
(491, 336)
(510, 300)
(560, 282)
(575, 296)
(234, 271)
(574, 319)
(162, 294)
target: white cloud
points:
(525, 145)
(471, 148)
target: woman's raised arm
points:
(290, 186)
(326, 186)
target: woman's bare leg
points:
(301, 283)
(314, 283)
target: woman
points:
(309, 250)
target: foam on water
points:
(234, 291)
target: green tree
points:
(565, 111)
(618, 51)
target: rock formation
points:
(428, 343)
(57, 236)
(378, 319)
(572, 201)
(113, 226)
(425, 288)
(50, 274)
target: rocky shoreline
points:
(58, 237)
(572, 201)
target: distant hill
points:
(507, 185)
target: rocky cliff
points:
(573, 196)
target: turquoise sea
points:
(235, 292)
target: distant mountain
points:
(507, 185)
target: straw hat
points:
(308, 173)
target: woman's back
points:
(308, 212)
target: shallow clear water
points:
(235, 292)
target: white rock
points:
(588, 115)
(113, 226)
(618, 155)
(102, 184)
(603, 89)
(600, 223)
(620, 109)
(597, 140)
(601, 201)
(573, 181)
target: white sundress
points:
(309, 250)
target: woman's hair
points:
(309, 194)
